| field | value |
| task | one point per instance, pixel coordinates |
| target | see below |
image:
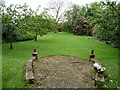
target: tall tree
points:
(58, 8)
(38, 24)
(11, 18)
(70, 17)
(107, 25)
(2, 4)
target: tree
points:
(108, 23)
(82, 26)
(72, 14)
(11, 18)
(38, 24)
(58, 8)
(9, 22)
(1, 10)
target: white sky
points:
(35, 3)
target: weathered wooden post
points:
(92, 55)
(35, 54)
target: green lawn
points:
(0, 66)
(13, 61)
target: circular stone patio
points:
(63, 72)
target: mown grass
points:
(14, 60)
(0, 66)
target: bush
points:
(106, 36)
(66, 27)
(82, 26)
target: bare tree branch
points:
(58, 8)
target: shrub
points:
(82, 26)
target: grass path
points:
(55, 44)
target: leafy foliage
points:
(66, 26)
(11, 18)
(22, 23)
(23, 36)
(108, 23)
(99, 19)
(38, 25)
(82, 27)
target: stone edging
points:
(99, 70)
(29, 67)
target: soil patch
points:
(63, 72)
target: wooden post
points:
(92, 55)
(35, 54)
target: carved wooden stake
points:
(35, 54)
(92, 55)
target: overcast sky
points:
(35, 3)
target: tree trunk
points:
(11, 47)
(56, 27)
(36, 36)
